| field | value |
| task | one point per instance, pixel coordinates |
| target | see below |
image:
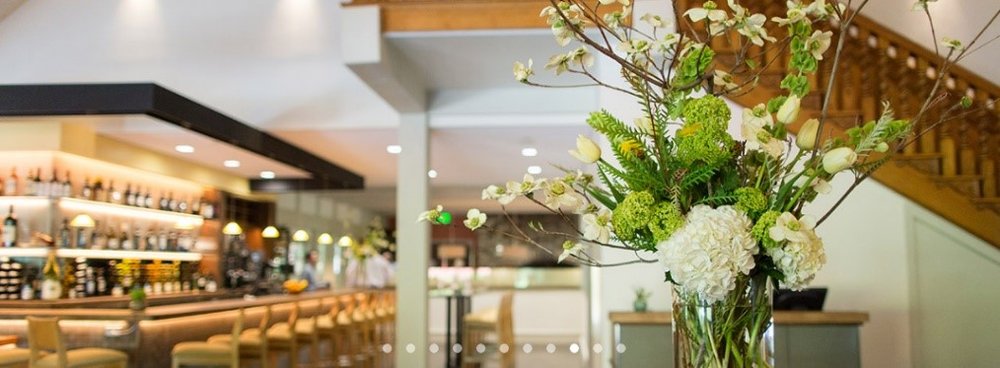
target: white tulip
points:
(789, 110)
(806, 139)
(839, 159)
(586, 150)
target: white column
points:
(413, 241)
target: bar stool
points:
(493, 328)
(363, 319)
(327, 327)
(348, 331)
(202, 353)
(287, 336)
(44, 335)
(14, 358)
(250, 343)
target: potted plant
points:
(641, 300)
(137, 299)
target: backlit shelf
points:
(103, 254)
(180, 220)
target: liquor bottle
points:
(99, 194)
(196, 206)
(147, 200)
(184, 241)
(90, 286)
(10, 229)
(208, 210)
(102, 281)
(55, 188)
(129, 195)
(67, 186)
(65, 235)
(163, 240)
(113, 241)
(182, 207)
(164, 202)
(97, 239)
(114, 196)
(29, 184)
(40, 189)
(171, 202)
(87, 192)
(10, 186)
(124, 239)
(141, 243)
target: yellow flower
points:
(630, 147)
(689, 130)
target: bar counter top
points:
(780, 318)
(200, 303)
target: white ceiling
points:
(276, 65)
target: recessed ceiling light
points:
(534, 169)
(393, 149)
(231, 163)
(183, 148)
(529, 152)
(432, 173)
(267, 174)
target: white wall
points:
(958, 19)
(954, 294)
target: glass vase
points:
(736, 332)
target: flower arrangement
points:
(374, 242)
(724, 215)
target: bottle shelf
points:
(180, 220)
(102, 254)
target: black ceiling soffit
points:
(163, 104)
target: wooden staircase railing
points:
(953, 168)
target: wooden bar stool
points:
(15, 358)
(251, 345)
(328, 327)
(492, 328)
(290, 336)
(362, 319)
(44, 336)
(202, 353)
(348, 333)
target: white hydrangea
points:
(710, 251)
(799, 261)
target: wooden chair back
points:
(44, 336)
(505, 328)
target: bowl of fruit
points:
(295, 286)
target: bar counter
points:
(148, 335)
(780, 318)
(801, 339)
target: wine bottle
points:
(99, 194)
(129, 195)
(40, 189)
(113, 241)
(87, 192)
(10, 229)
(171, 202)
(182, 207)
(196, 206)
(55, 189)
(147, 201)
(64, 234)
(10, 186)
(125, 239)
(114, 196)
(29, 184)
(67, 186)
(97, 240)
(164, 202)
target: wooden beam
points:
(416, 15)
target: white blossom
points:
(799, 261)
(818, 43)
(523, 72)
(654, 20)
(431, 215)
(474, 219)
(559, 195)
(723, 81)
(708, 253)
(754, 130)
(789, 228)
(597, 226)
(570, 249)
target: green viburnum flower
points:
(708, 110)
(762, 229)
(664, 220)
(704, 143)
(750, 200)
(632, 214)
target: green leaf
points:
(698, 175)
